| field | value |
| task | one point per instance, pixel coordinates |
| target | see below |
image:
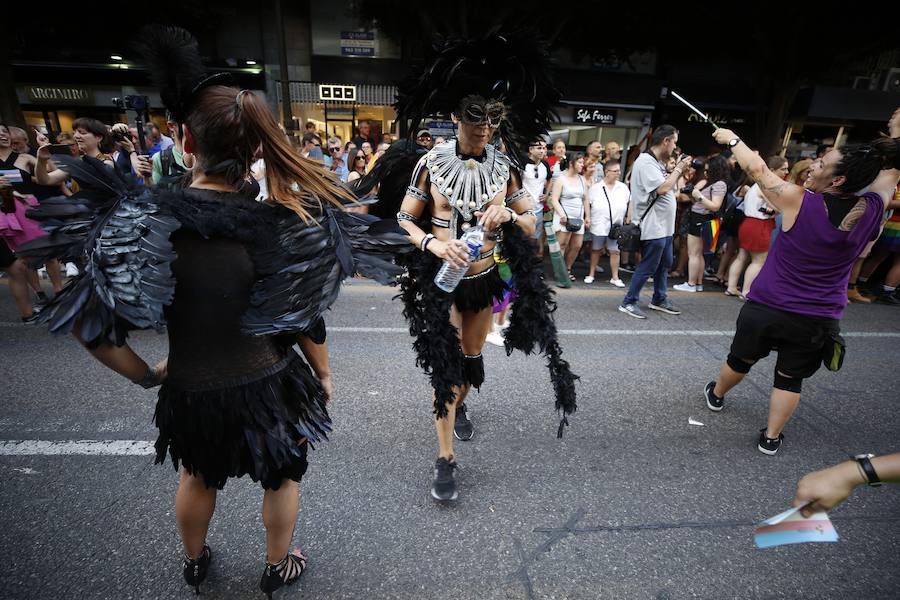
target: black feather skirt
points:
(259, 425)
(477, 292)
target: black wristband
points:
(865, 464)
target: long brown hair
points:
(230, 125)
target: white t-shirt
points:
(752, 201)
(647, 174)
(534, 180)
(600, 209)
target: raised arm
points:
(672, 180)
(44, 173)
(781, 194)
(885, 185)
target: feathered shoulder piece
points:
(511, 68)
(172, 57)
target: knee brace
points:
(473, 370)
(788, 384)
(737, 365)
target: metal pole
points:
(840, 134)
(787, 139)
(287, 112)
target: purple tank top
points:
(808, 267)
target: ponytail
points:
(230, 126)
(285, 167)
(860, 164)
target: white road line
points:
(642, 332)
(76, 448)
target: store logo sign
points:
(594, 116)
(60, 95)
(343, 93)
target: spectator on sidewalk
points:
(568, 199)
(356, 164)
(754, 233)
(609, 207)
(364, 133)
(653, 200)
(594, 153)
(423, 138)
(18, 139)
(612, 152)
(704, 221)
(168, 165)
(311, 148)
(536, 179)
(798, 298)
(559, 153)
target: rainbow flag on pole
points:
(790, 527)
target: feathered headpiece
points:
(173, 59)
(510, 68)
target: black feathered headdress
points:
(512, 68)
(173, 59)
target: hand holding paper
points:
(790, 527)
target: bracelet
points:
(150, 379)
(513, 216)
(423, 245)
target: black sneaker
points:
(463, 429)
(665, 306)
(444, 486)
(713, 402)
(768, 445)
(627, 269)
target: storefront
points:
(56, 106)
(337, 109)
(586, 122)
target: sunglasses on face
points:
(334, 149)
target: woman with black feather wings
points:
(237, 283)
(495, 86)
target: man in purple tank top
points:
(799, 296)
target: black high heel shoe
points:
(195, 569)
(283, 573)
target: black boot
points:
(195, 569)
(283, 573)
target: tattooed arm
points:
(781, 194)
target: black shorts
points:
(7, 257)
(798, 339)
(696, 221)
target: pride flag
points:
(790, 527)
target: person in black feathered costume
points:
(236, 284)
(497, 86)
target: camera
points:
(131, 102)
(698, 164)
(688, 189)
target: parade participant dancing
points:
(798, 298)
(236, 282)
(497, 85)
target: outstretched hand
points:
(723, 136)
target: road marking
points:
(583, 332)
(644, 332)
(76, 448)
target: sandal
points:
(283, 573)
(195, 569)
(571, 277)
(732, 294)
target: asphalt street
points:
(633, 502)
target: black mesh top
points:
(214, 276)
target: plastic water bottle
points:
(449, 276)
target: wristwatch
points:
(734, 142)
(864, 462)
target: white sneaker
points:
(494, 338)
(617, 282)
(71, 270)
(685, 287)
(589, 279)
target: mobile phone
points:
(60, 149)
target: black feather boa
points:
(427, 310)
(531, 320)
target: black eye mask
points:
(476, 110)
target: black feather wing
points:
(302, 268)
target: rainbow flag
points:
(790, 527)
(711, 231)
